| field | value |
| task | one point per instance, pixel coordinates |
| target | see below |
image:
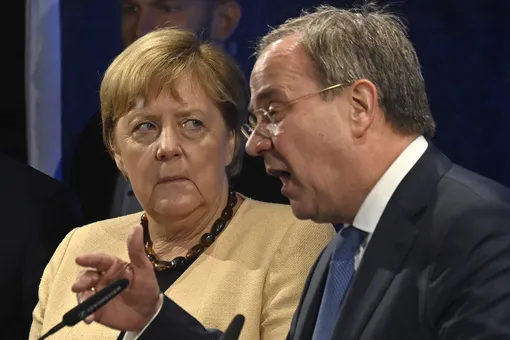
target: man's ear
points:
(225, 19)
(364, 101)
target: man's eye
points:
(274, 109)
(252, 120)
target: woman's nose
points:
(169, 146)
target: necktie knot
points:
(348, 241)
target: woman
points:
(172, 111)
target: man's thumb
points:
(136, 250)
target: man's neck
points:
(376, 162)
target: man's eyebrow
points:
(265, 94)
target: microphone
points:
(234, 329)
(89, 306)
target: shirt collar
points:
(373, 206)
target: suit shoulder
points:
(24, 179)
(472, 187)
(462, 192)
(17, 171)
(469, 208)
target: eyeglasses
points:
(267, 126)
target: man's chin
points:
(307, 212)
(301, 211)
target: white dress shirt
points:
(373, 206)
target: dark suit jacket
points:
(37, 212)
(93, 175)
(437, 266)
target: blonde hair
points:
(157, 62)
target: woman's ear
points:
(231, 147)
(117, 158)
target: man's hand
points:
(132, 309)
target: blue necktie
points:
(341, 271)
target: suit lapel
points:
(375, 274)
(306, 315)
(391, 242)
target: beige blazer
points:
(257, 267)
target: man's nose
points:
(256, 145)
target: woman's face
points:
(174, 152)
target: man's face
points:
(313, 151)
(140, 17)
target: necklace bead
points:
(205, 241)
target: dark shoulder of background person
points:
(37, 212)
(93, 172)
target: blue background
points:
(463, 46)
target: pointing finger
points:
(136, 249)
(87, 279)
(99, 261)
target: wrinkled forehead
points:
(281, 70)
(184, 91)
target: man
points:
(342, 118)
(94, 176)
(37, 212)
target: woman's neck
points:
(174, 238)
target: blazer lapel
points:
(306, 314)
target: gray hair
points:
(365, 42)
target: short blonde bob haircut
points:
(157, 62)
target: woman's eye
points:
(192, 124)
(145, 126)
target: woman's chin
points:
(175, 207)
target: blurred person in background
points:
(37, 212)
